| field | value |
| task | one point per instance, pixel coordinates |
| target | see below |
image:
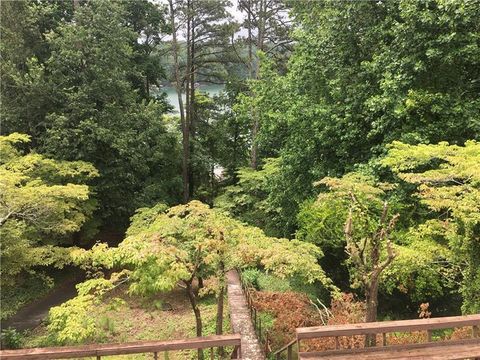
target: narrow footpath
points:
(31, 315)
(240, 319)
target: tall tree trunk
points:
(191, 70)
(188, 113)
(183, 120)
(198, 318)
(254, 151)
(250, 40)
(260, 44)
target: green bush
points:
(250, 277)
(11, 339)
(268, 282)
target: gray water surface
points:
(211, 89)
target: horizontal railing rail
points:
(99, 350)
(385, 327)
(389, 326)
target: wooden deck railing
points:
(99, 350)
(288, 348)
(383, 327)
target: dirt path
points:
(32, 314)
(240, 319)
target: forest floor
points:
(163, 317)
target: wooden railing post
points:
(475, 331)
(429, 335)
(290, 352)
(155, 356)
(260, 329)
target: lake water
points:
(172, 94)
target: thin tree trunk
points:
(254, 152)
(188, 114)
(256, 72)
(371, 300)
(196, 311)
(250, 40)
(191, 70)
(183, 120)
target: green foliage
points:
(71, 82)
(250, 276)
(11, 339)
(448, 183)
(164, 252)
(71, 323)
(249, 199)
(363, 74)
(99, 118)
(42, 202)
(28, 287)
(165, 247)
(268, 282)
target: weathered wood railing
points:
(288, 348)
(155, 347)
(470, 346)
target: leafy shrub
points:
(72, 322)
(250, 276)
(313, 291)
(11, 339)
(289, 311)
(107, 324)
(268, 282)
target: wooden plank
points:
(67, 352)
(445, 350)
(432, 354)
(388, 326)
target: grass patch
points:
(163, 317)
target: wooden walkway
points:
(240, 318)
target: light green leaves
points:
(448, 183)
(42, 201)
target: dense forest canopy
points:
(342, 151)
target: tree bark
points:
(183, 120)
(191, 70)
(371, 300)
(198, 318)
